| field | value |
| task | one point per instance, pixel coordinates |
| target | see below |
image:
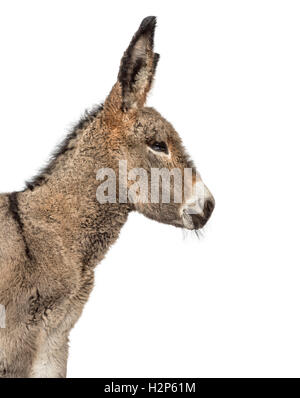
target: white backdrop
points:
(229, 81)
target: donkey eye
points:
(159, 147)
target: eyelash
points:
(159, 147)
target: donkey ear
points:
(138, 66)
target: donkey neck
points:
(64, 194)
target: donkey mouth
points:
(195, 220)
(198, 221)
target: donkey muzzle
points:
(198, 209)
(200, 220)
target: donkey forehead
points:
(153, 124)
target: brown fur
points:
(54, 233)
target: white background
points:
(229, 81)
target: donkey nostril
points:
(208, 208)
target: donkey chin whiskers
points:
(199, 233)
(192, 233)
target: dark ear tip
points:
(148, 24)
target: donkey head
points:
(150, 145)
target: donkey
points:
(55, 231)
